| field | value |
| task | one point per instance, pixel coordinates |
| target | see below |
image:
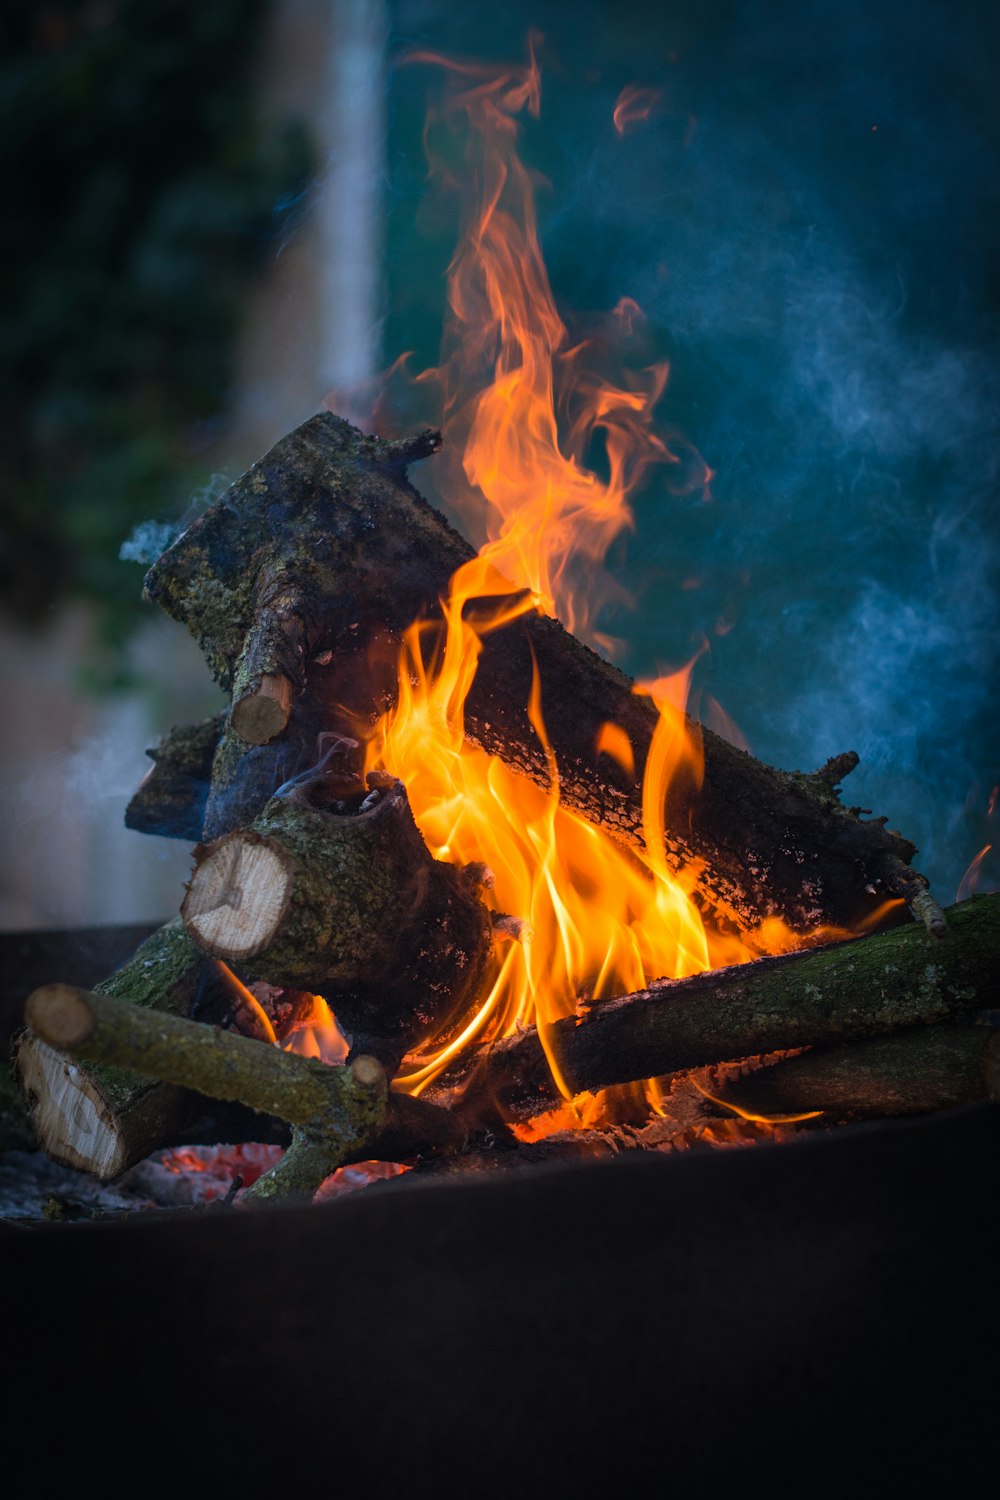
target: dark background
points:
(808, 220)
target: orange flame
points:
(255, 1018)
(969, 882)
(755, 1119)
(317, 1035)
(520, 403)
(633, 105)
(521, 407)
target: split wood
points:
(104, 1119)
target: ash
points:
(35, 1189)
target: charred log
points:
(837, 993)
(297, 585)
(172, 799)
(343, 898)
(910, 1072)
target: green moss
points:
(167, 972)
(16, 1132)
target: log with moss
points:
(333, 890)
(332, 1111)
(337, 1114)
(915, 1071)
(834, 994)
(297, 585)
(102, 1118)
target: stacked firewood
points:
(311, 878)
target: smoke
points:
(809, 220)
(809, 225)
(64, 807)
(148, 540)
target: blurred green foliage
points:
(141, 189)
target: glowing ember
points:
(192, 1175)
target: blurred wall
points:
(71, 758)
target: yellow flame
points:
(755, 1119)
(521, 404)
(598, 919)
(248, 1000)
(522, 407)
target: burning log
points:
(102, 1118)
(333, 890)
(337, 1114)
(837, 993)
(288, 588)
(300, 580)
(909, 1072)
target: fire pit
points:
(462, 988)
(663, 1318)
(469, 909)
(464, 895)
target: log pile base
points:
(298, 585)
(886, 1021)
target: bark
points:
(171, 800)
(102, 1118)
(908, 1072)
(837, 993)
(349, 904)
(327, 523)
(334, 1111)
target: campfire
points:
(464, 895)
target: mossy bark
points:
(333, 1111)
(833, 994)
(103, 1117)
(327, 517)
(910, 1072)
(397, 942)
(16, 1130)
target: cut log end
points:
(59, 1014)
(70, 1114)
(262, 715)
(367, 1071)
(238, 895)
